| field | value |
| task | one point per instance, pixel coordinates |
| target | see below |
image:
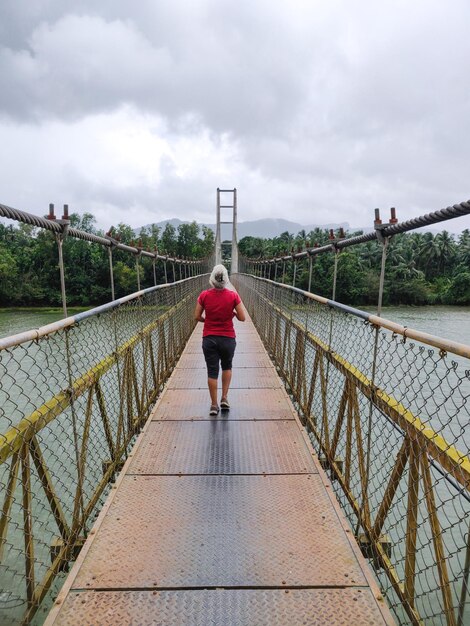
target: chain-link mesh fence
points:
(72, 400)
(389, 417)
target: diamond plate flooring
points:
(246, 404)
(240, 607)
(223, 447)
(220, 531)
(222, 521)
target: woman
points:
(220, 306)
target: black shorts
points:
(218, 348)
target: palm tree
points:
(369, 255)
(463, 250)
(447, 250)
(318, 235)
(407, 270)
(430, 253)
(396, 252)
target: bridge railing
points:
(73, 397)
(387, 409)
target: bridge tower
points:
(225, 204)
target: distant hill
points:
(265, 228)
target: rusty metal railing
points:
(73, 397)
(387, 409)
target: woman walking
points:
(219, 306)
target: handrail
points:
(388, 420)
(36, 333)
(73, 397)
(447, 345)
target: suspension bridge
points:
(335, 490)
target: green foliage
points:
(208, 242)
(350, 282)
(8, 274)
(125, 279)
(421, 268)
(188, 239)
(169, 242)
(459, 288)
(412, 291)
(29, 272)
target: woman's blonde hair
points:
(219, 277)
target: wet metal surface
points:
(223, 447)
(222, 521)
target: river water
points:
(13, 321)
(450, 322)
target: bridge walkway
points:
(226, 520)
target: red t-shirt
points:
(218, 305)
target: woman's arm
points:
(240, 312)
(198, 313)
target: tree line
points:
(422, 267)
(29, 273)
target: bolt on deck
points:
(226, 520)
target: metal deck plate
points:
(234, 607)
(246, 404)
(220, 531)
(243, 378)
(193, 360)
(223, 447)
(170, 543)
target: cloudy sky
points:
(316, 110)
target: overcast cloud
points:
(316, 111)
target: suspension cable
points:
(442, 215)
(57, 228)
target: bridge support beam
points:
(234, 268)
(58, 544)
(325, 463)
(218, 233)
(367, 549)
(218, 236)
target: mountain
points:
(265, 228)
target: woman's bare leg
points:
(212, 384)
(226, 380)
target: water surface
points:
(13, 321)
